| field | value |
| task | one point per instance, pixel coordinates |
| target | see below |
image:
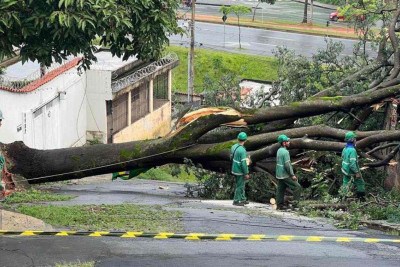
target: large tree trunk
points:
(392, 179)
(39, 166)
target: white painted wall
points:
(44, 118)
(98, 90)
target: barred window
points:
(139, 102)
(160, 90)
(120, 113)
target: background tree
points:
(271, 2)
(52, 30)
(305, 13)
(238, 10)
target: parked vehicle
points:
(335, 16)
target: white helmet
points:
(1, 115)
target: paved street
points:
(257, 41)
(199, 216)
(282, 10)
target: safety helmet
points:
(242, 136)
(283, 138)
(349, 136)
(1, 115)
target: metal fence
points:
(143, 72)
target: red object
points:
(335, 16)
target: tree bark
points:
(40, 166)
(305, 19)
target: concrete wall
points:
(52, 116)
(98, 90)
(155, 124)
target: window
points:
(139, 102)
(120, 113)
(160, 90)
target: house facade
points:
(115, 101)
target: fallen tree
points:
(328, 89)
(38, 166)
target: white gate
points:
(46, 125)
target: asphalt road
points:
(199, 216)
(282, 10)
(257, 41)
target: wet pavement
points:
(207, 216)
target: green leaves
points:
(238, 10)
(47, 29)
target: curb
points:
(382, 226)
(278, 30)
(199, 236)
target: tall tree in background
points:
(238, 10)
(305, 15)
(271, 2)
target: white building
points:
(114, 101)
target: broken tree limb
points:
(318, 106)
(385, 161)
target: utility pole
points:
(191, 56)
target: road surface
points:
(199, 216)
(257, 41)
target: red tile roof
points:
(45, 79)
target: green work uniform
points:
(239, 169)
(350, 168)
(284, 174)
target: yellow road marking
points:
(98, 234)
(132, 234)
(285, 238)
(30, 233)
(224, 237)
(65, 233)
(194, 236)
(256, 237)
(314, 239)
(163, 235)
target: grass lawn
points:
(33, 195)
(168, 173)
(106, 217)
(245, 66)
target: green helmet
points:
(349, 136)
(1, 115)
(283, 138)
(242, 136)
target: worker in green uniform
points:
(350, 169)
(240, 169)
(284, 173)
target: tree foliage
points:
(271, 2)
(52, 30)
(238, 10)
